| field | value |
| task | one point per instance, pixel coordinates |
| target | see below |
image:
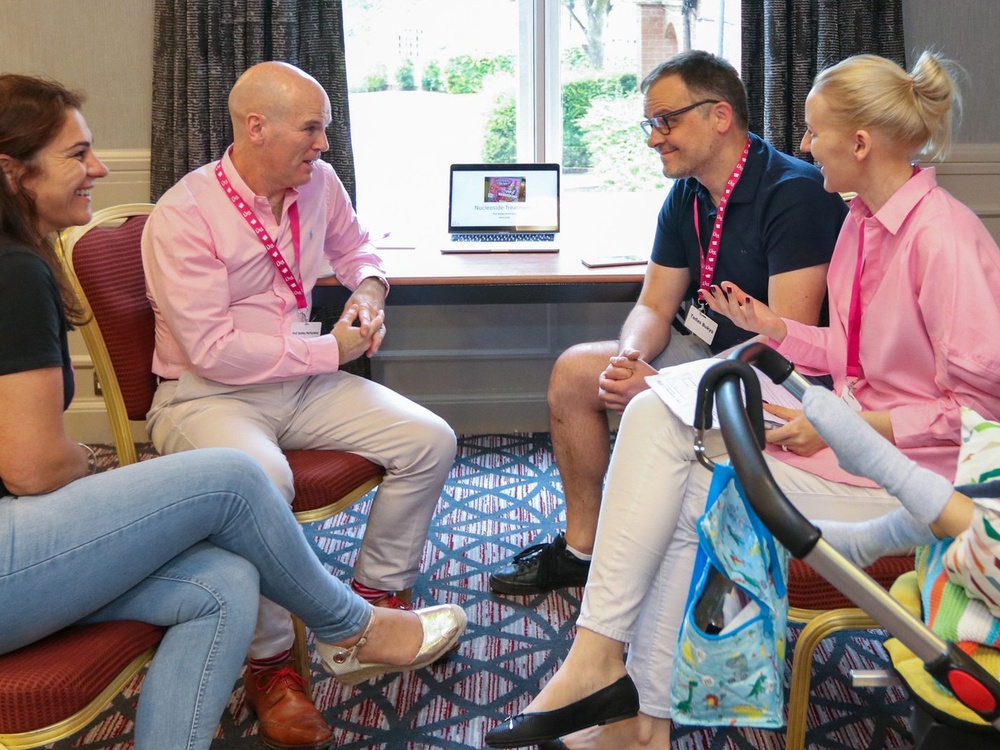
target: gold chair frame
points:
(819, 625)
(113, 400)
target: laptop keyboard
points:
(505, 237)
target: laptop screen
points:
(504, 198)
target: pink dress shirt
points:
(930, 323)
(222, 309)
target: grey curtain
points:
(201, 47)
(787, 42)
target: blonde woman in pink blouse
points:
(913, 316)
(913, 280)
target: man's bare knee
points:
(574, 379)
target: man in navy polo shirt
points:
(741, 211)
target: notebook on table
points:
(503, 208)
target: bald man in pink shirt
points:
(231, 254)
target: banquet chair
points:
(55, 687)
(104, 262)
(823, 611)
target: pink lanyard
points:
(711, 256)
(854, 313)
(269, 245)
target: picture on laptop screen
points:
(505, 189)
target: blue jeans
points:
(187, 541)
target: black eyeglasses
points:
(662, 122)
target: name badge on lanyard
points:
(303, 327)
(697, 320)
(700, 324)
(849, 398)
(306, 328)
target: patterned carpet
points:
(504, 492)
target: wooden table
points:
(485, 369)
(423, 275)
(429, 281)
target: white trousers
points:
(336, 411)
(647, 536)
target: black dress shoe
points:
(618, 701)
(540, 568)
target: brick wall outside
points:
(660, 26)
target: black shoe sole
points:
(500, 586)
(544, 741)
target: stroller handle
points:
(772, 364)
(743, 435)
(745, 427)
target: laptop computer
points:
(503, 208)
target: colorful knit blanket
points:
(960, 578)
(953, 605)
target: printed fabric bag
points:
(730, 660)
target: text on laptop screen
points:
(504, 198)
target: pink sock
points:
(367, 593)
(259, 665)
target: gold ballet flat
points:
(443, 625)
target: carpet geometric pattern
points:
(503, 493)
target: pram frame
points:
(743, 434)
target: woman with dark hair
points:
(188, 541)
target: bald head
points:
(280, 115)
(270, 89)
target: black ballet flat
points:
(616, 702)
(552, 745)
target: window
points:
(434, 82)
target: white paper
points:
(677, 387)
(745, 615)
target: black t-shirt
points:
(779, 219)
(33, 329)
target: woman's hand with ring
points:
(797, 435)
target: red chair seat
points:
(322, 477)
(52, 679)
(808, 590)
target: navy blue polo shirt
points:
(779, 219)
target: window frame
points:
(539, 119)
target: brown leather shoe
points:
(288, 719)
(392, 601)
